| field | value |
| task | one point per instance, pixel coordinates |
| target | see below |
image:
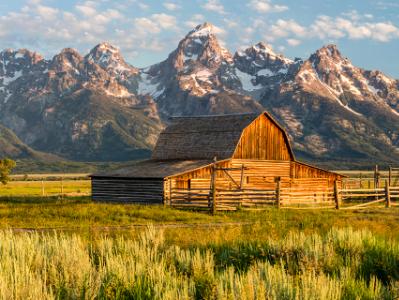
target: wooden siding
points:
(257, 174)
(301, 170)
(263, 140)
(127, 190)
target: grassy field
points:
(79, 213)
(34, 188)
(71, 248)
(340, 264)
(49, 176)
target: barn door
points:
(227, 173)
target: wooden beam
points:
(213, 188)
(278, 192)
(336, 195)
(231, 178)
(228, 169)
(242, 176)
(387, 195)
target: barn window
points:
(183, 184)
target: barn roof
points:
(155, 168)
(204, 137)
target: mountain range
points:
(98, 107)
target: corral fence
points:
(284, 196)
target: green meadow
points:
(64, 246)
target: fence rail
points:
(285, 197)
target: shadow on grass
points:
(44, 200)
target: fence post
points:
(241, 186)
(164, 197)
(390, 176)
(336, 195)
(170, 192)
(376, 177)
(278, 192)
(213, 181)
(387, 195)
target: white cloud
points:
(194, 21)
(86, 10)
(34, 2)
(284, 28)
(384, 32)
(47, 12)
(165, 21)
(46, 28)
(146, 25)
(353, 28)
(154, 24)
(230, 23)
(281, 48)
(198, 17)
(214, 5)
(143, 6)
(266, 6)
(324, 27)
(171, 6)
(293, 42)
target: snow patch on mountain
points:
(247, 81)
(8, 79)
(147, 85)
(266, 72)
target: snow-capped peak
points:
(262, 52)
(263, 48)
(103, 53)
(203, 30)
(108, 57)
(329, 52)
(201, 45)
(104, 47)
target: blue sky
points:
(366, 31)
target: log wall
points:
(295, 178)
(258, 174)
(301, 170)
(301, 183)
(127, 190)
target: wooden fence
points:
(284, 196)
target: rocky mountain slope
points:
(77, 107)
(98, 107)
(12, 146)
(334, 109)
(197, 78)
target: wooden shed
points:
(202, 154)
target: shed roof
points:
(204, 137)
(155, 168)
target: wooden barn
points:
(239, 156)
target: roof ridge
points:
(211, 116)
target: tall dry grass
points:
(342, 264)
